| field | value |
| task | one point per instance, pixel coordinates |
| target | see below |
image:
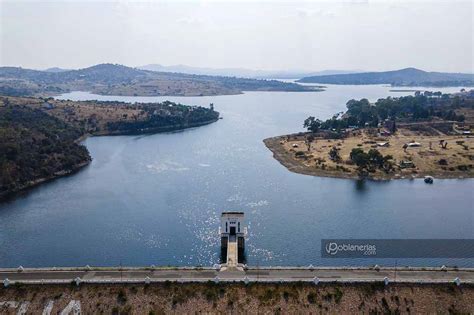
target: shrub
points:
(312, 297)
(443, 162)
(121, 297)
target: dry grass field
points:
(91, 116)
(454, 160)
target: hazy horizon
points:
(270, 36)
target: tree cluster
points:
(34, 145)
(371, 161)
(361, 113)
(164, 116)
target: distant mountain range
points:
(242, 72)
(403, 77)
(114, 79)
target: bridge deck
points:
(232, 252)
(432, 275)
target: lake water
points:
(156, 199)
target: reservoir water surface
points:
(156, 199)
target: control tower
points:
(233, 232)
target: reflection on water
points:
(360, 185)
(156, 199)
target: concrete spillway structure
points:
(232, 231)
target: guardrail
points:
(243, 266)
(387, 281)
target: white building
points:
(232, 223)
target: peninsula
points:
(427, 134)
(39, 138)
(402, 77)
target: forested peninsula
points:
(40, 138)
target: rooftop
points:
(239, 213)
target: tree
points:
(375, 158)
(388, 163)
(312, 124)
(309, 140)
(334, 155)
(359, 157)
(371, 160)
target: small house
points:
(47, 105)
(407, 164)
(414, 144)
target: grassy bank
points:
(455, 160)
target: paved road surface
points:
(233, 274)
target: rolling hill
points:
(403, 77)
(114, 79)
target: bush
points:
(463, 168)
(443, 162)
(312, 297)
(121, 297)
(300, 154)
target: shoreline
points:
(279, 154)
(153, 130)
(99, 127)
(9, 195)
(317, 88)
(294, 165)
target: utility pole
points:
(120, 270)
(258, 262)
(396, 263)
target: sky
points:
(266, 35)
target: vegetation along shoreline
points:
(40, 138)
(429, 134)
